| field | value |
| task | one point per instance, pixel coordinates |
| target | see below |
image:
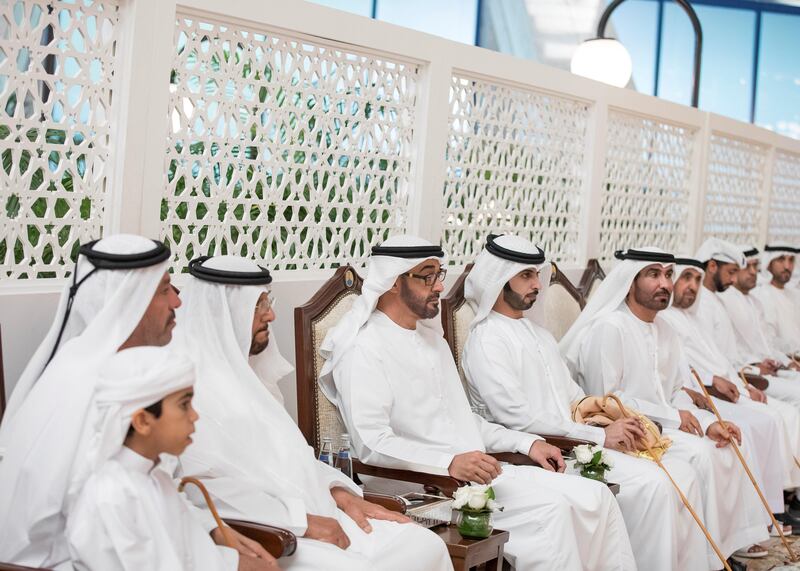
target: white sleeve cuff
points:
(525, 442)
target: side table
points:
(468, 553)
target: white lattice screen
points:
(514, 164)
(56, 82)
(645, 194)
(284, 148)
(784, 211)
(733, 190)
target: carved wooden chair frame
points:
(591, 274)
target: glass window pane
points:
(451, 19)
(778, 96)
(360, 7)
(727, 66)
(635, 24)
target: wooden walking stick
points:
(744, 380)
(778, 526)
(656, 458)
(226, 531)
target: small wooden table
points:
(468, 553)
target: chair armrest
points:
(565, 443)
(445, 484)
(391, 503)
(759, 382)
(715, 393)
(515, 458)
(518, 459)
(277, 541)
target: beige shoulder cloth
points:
(602, 411)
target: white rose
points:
(493, 505)
(596, 448)
(583, 454)
(606, 459)
(461, 497)
(477, 501)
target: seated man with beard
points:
(251, 455)
(780, 302)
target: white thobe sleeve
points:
(171, 465)
(492, 370)
(682, 401)
(240, 499)
(602, 367)
(365, 401)
(105, 531)
(203, 516)
(706, 377)
(334, 478)
(498, 438)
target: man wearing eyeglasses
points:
(396, 384)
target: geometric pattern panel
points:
(646, 190)
(733, 192)
(57, 61)
(515, 161)
(284, 148)
(784, 211)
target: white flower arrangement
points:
(476, 498)
(587, 455)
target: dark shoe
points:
(789, 519)
(794, 506)
(736, 565)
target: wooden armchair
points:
(317, 417)
(590, 280)
(560, 312)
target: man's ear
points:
(142, 422)
(395, 286)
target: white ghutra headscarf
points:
(394, 257)
(609, 297)
(503, 258)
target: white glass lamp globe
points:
(603, 59)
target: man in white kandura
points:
(251, 455)
(766, 426)
(514, 368)
(754, 341)
(397, 387)
(129, 514)
(780, 302)
(119, 297)
(620, 345)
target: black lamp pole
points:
(698, 39)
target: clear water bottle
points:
(326, 452)
(344, 461)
